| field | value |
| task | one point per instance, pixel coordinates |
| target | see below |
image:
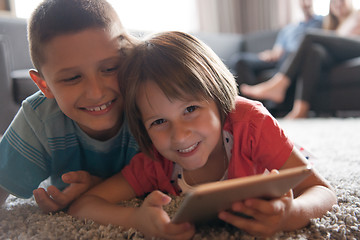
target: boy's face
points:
(80, 72)
(184, 131)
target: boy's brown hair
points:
(182, 66)
(57, 17)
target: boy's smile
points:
(80, 72)
(99, 110)
(184, 131)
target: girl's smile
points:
(183, 131)
(189, 149)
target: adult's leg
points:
(340, 48)
(316, 61)
(321, 53)
(275, 89)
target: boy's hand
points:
(267, 217)
(54, 200)
(153, 221)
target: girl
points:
(183, 109)
(318, 52)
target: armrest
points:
(4, 65)
(346, 73)
(8, 107)
(23, 86)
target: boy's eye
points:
(111, 69)
(72, 78)
(157, 122)
(191, 109)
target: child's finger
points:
(251, 226)
(157, 198)
(59, 197)
(271, 207)
(45, 203)
(76, 177)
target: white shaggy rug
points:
(334, 142)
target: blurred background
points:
(228, 16)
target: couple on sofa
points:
(321, 62)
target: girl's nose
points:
(180, 132)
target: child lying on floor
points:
(193, 128)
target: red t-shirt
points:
(258, 144)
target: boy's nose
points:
(94, 87)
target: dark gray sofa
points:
(16, 84)
(14, 65)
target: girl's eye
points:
(158, 122)
(191, 109)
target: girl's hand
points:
(153, 221)
(266, 217)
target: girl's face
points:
(341, 8)
(183, 131)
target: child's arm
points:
(310, 199)
(100, 204)
(52, 199)
(3, 196)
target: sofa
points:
(15, 62)
(17, 85)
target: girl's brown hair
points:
(182, 66)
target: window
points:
(158, 15)
(147, 15)
(321, 7)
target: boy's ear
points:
(41, 83)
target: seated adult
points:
(248, 65)
(317, 54)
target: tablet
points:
(205, 201)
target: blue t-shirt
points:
(43, 142)
(289, 37)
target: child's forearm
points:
(101, 211)
(313, 203)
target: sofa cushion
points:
(224, 44)
(259, 41)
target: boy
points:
(74, 129)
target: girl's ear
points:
(41, 83)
